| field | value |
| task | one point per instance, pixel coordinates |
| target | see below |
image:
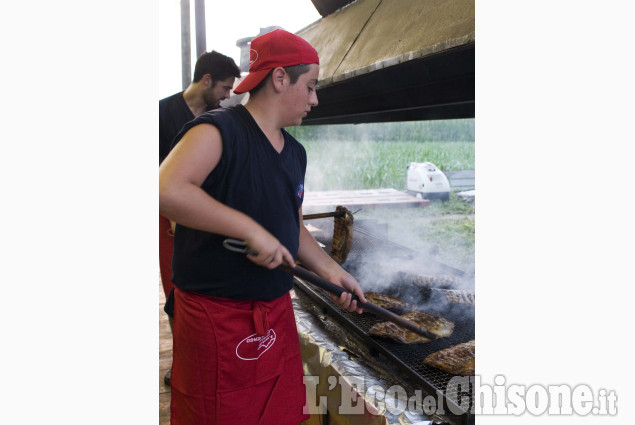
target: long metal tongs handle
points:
(311, 277)
(240, 246)
(340, 213)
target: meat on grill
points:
(456, 296)
(388, 302)
(435, 324)
(426, 282)
(342, 235)
(456, 360)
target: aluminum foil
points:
(343, 379)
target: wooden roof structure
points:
(393, 60)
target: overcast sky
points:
(225, 23)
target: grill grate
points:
(409, 357)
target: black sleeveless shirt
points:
(254, 178)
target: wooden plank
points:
(361, 198)
(164, 409)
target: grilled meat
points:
(388, 302)
(456, 360)
(425, 282)
(457, 296)
(435, 324)
(342, 235)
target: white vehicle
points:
(426, 181)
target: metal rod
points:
(368, 306)
(186, 51)
(199, 20)
(324, 215)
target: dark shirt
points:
(173, 114)
(254, 178)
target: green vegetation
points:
(372, 156)
(351, 165)
(417, 131)
(454, 206)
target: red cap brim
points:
(251, 80)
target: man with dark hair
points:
(237, 173)
(214, 76)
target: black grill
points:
(408, 357)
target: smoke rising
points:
(391, 246)
(387, 264)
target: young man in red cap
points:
(237, 173)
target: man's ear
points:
(279, 78)
(207, 79)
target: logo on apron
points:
(254, 346)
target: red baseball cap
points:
(274, 49)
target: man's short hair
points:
(219, 66)
(294, 72)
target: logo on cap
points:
(253, 53)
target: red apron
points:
(235, 362)
(166, 246)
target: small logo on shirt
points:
(300, 190)
(252, 347)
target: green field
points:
(443, 229)
(349, 165)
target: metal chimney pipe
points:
(199, 19)
(186, 51)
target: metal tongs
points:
(335, 214)
(236, 245)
